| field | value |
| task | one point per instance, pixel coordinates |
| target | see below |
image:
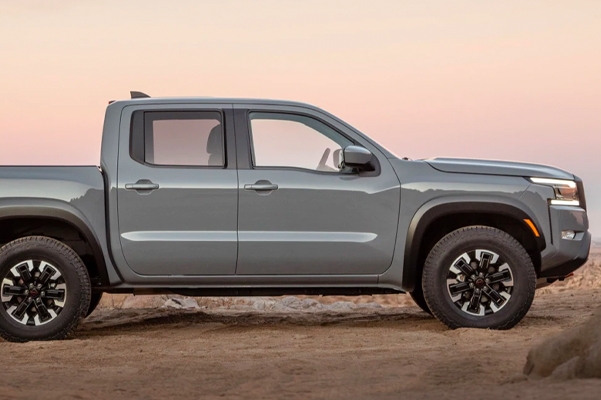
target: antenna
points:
(138, 95)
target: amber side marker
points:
(531, 225)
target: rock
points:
(295, 303)
(575, 353)
(263, 303)
(181, 303)
(132, 301)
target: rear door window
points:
(178, 138)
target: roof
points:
(212, 100)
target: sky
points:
(514, 80)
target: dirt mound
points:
(575, 353)
(289, 303)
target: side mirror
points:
(358, 157)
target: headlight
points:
(566, 192)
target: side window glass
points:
(178, 138)
(288, 140)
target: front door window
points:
(295, 141)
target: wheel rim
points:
(480, 282)
(33, 292)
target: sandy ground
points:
(335, 353)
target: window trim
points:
(173, 110)
(251, 148)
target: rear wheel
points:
(45, 289)
(479, 277)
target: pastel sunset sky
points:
(516, 80)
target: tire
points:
(494, 291)
(418, 297)
(94, 301)
(64, 290)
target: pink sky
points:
(506, 80)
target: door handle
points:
(142, 185)
(261, 186)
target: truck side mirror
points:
(358, 157)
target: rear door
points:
(300, 213)
(177, 190)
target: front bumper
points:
(563, 256)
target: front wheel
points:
(479, 277)
(45, 289)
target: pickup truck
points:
(242, 197)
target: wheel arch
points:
(34, 218)
(439, 217)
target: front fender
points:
(434, 209)
(441, 207)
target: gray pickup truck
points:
(240, 197)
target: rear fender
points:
(61, 211)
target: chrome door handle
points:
(261, 186)
(142, 184)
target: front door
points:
(177, 191)
(300, 213)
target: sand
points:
(297, 349)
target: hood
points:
(492, 167)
